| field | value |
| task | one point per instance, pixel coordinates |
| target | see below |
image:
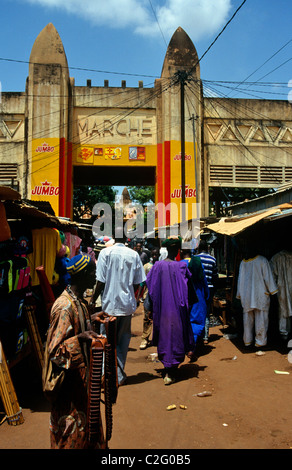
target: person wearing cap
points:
(171, 294)
(69, 333)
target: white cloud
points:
(199, 18)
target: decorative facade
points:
(55, 135)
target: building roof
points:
(234, 225)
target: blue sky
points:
(131, 37)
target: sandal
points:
(168, 380)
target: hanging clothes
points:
(46, 244)
(255, 285)
(5, 232)
(73, 242)
(281, 265)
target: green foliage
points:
(142, 194)
(85, 197)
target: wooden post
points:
(35, 335)
(8, 395)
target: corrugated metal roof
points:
(234, 225)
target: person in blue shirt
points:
(211, 272)
(198, 310)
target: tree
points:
(142, 194)
(85, 197)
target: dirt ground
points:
(249, 406)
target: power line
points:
(266, 61)
(170, 84)
(280, 84)
(217, 37)
(122, 104)
(238, 145)
(244, 108)
(245, 92)
(87, 141)
(155, 16)
(276, 68)
(81, 68)
(223, 29)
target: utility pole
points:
(193, 118)
(182, 77)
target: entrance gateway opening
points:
(115, 176)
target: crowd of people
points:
(176, 300)
(176, 288)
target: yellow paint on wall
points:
(176, 181)
(45, 171)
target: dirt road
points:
(249, 406)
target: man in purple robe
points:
(171, 296)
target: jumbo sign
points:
(45, 189)
(45, 184)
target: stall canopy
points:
(234, 225)
(8, 194)
(24, 211)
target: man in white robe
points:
(255, 285)
(281, 264)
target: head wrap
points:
(77, 263)
(172, 241)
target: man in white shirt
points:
(119, 271)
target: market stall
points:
(264, 233)
(34, 247)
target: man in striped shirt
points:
(211, 272)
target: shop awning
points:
(187, 230)
(233, 225)
(8, 194)
(24, 211)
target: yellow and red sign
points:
(85, 155)
(45, 171)
(51, 175)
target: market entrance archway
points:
(113, 176)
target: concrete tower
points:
(48, 89)
(181, 59)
